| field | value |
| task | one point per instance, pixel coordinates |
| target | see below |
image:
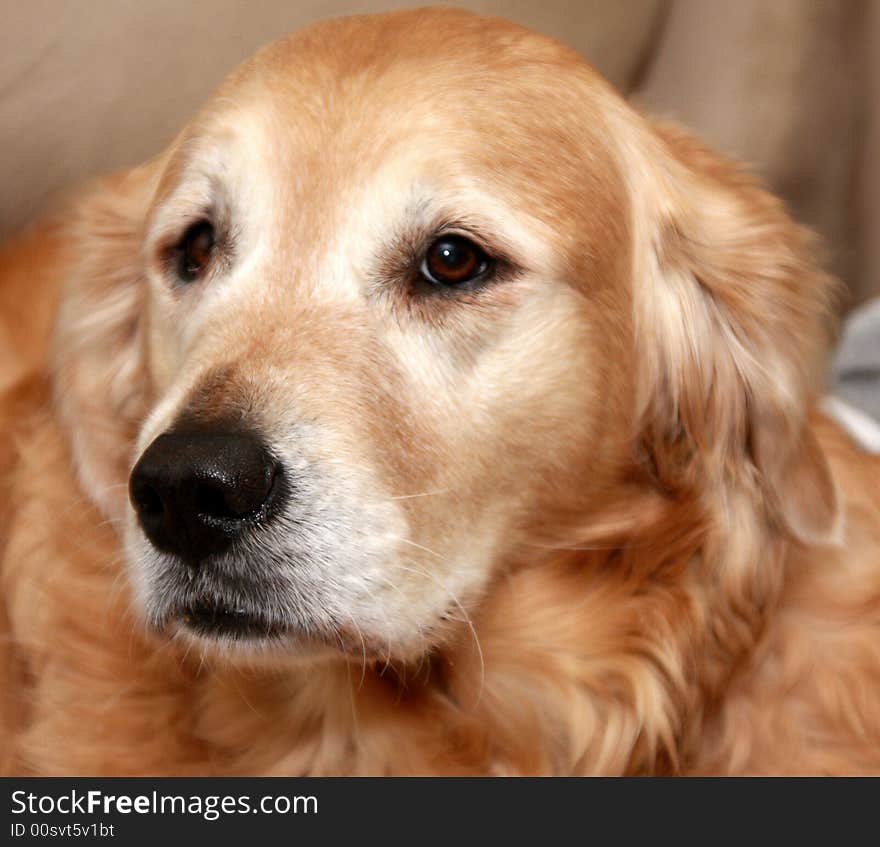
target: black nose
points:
(195, 493)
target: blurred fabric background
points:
(790, 86)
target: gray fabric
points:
(855, 374)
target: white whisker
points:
(420, 494)
(467, 618)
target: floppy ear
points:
(100, 378)
(732, 322)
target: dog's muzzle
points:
(201, 497)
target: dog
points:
(427, 409)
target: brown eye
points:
(194, 251)
(454, 260)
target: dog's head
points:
(413, 297)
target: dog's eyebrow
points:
(202, 200)
(426, 217)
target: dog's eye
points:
(454, 260)
(194, 251)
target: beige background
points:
(88, 86)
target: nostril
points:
(148, 501)
(236, 497)
(213, 502)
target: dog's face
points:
(378, 336)
(412, 297)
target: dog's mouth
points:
(214, 619)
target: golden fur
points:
(686, 574)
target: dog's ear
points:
(732, 324)
(100, 380)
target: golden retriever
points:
(426, 409)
